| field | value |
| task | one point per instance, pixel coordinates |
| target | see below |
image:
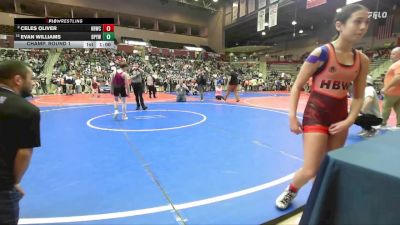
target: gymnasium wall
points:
(216, 34)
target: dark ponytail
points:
(345, 14)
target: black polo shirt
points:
(19, 128)
(234, 79)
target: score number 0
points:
(108, 27)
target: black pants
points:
(138, 91)
(44, 88)
(9, 207)
(366, 121)
(152, 89)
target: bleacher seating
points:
(7, 30)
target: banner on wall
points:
(251, 6)
(235, 7)
(243, 7)
(261, 20)
(262, 3)
(228, 19)
(314, 3)
(228, 9)
(273, 15)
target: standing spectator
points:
(172, 85)
(181, 90)
(254, 84)
(78, 85)
(166, 84)
(36, 86)
(83, 85)
(59, 86)
(150, 81)
(54, 85)
(19, 132)
(88, 82)
(260, 84)
(63, 84)
(43, 84)
(201, 84)
(391, 89)
(209, 83)
(69, 81)
(95, 87)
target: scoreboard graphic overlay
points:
(64, 33)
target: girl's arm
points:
(309, 67)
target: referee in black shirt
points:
(19, 134)
(137, 84)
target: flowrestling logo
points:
(377, 15)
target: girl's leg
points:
(315, 147)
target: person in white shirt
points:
(181, 90)
(370, 114)
(78, 83)
(150, 81)
(60, 80)
(83, 86)
(88, 83)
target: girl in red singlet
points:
(326, 120)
